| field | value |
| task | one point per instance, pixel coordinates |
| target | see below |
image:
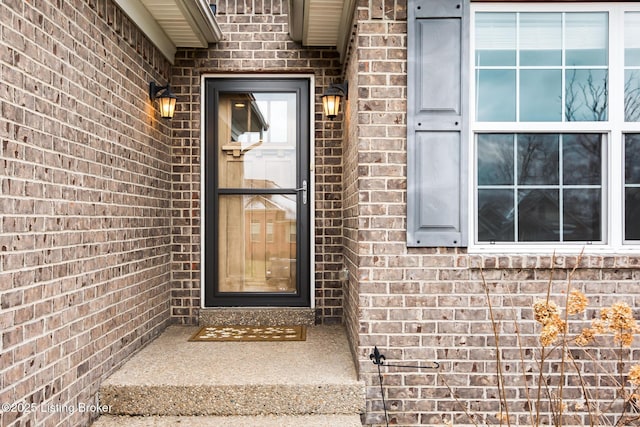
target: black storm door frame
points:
(246, 200)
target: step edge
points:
(319, 420)
(232, 400)
(256, 316)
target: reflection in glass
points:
(544, 44)
(496, 95)
(495, 39)
(586, 39)
(537, 159)
(256, 150)
(632, 158)
(559, 187)
(632, 213)
(540, 95)
(632, 95)
(257, 140)
(495, 216)
(581, 219)
(539, 219)
(495, 159)
(540, 40)
(582, 159)
(256, 253)
(586, 95)
(632, 186)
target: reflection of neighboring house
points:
(541, 220)
(270, 246)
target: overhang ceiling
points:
(322, 23)
(171, 24)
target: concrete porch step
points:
(257, 316)
(175, 377)
(236, 421)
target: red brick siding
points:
(85, 230)
(351, 206)
(421, 305)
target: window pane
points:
(632, 39)
(559, 187)
(496, 95)
(537, 159)
(632, 213)
(538, 216)
(632, 186)
(582, 221)
(586, 95)
(540, 39)
(632, 95)
(495, 159)
(540, 95)
(586, 38)
(582, 159)
(495, 39)
(632, 158)
(495, 215)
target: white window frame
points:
(613, 129)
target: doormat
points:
(251, 333)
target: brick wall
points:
(350, 196)
(85, 230)
(255, 40)
(423, 305)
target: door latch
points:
(304, 191)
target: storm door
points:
(257, 192)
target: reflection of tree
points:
(538, 156)
(538, 159)
(582, 159)
(495, 158)
(632, 158)
(588, 98)
(504, 171)
(539, 210)
(631, 99)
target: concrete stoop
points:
(301, 383)
(258, 316)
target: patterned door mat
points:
(251, 333)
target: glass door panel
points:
(257, 252)
(257, 134)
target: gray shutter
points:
(437, 129)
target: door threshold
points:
(257, 316)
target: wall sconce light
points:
(166, 99)
(331, 98)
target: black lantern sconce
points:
(166, 99)
(331, 98)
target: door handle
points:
(304, 191)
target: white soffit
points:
(322, 19)
(171, 24)
(321, 22)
